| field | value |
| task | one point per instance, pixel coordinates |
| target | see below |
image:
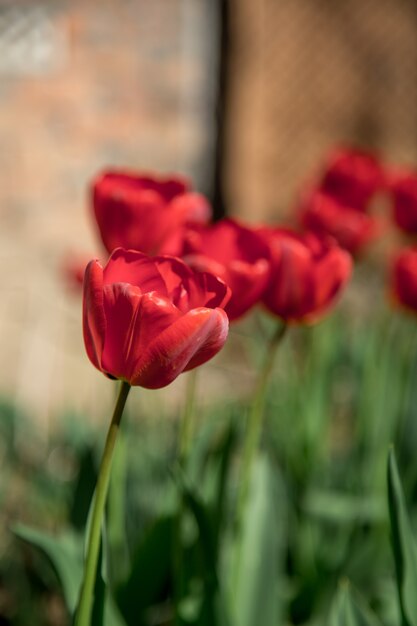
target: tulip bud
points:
(307, 275)
(403, 279)
(145, 213)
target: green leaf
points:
(104, 612)
(403, 545)
(83, 489)
(65, 552)
(207, 536)
(112, 615)
(199, 526)
(149, 574)
(350, 610)
(342, 508)
(210, 482)
(212, 610)
(259, 555)
(224, 455)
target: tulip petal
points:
(353, 176)
(168, 188)
(225, 241)
(325, 215)
(114, 183)
(404, 278)
(94, 321)
(135, 219)
(207, 290)
(155, 314)
(215, 339)
(202, 263)
(248, 281)
(173, 272)
(121, 303)
(136, 268)
(137, 211)
(402, 187)
(194, 207)
(133, 321)
(237, 254)
(190, 341)
(331, 275)
(190, 289)
(176, 275)
(290, 292)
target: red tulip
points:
(404, 279)
(145, 213)
(325, 215)
(402, 187)
(235, 253)
(146, 320)
(307, 275)
(353, 177)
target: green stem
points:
(254, 424)
(85, 605)
(187, 423)
(115, 514)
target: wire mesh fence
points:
(306, 75)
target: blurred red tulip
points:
(402, 187)
(307, 275)
(353, 177)
(234, 252)
(73, 273)
(146, 320)
(325, 215)
(404, 279)
(145, 213)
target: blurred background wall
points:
(306, 75)
(245, 97)
(84, 85)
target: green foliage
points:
(349, 610)
(149, 577)
(173, 552)
(257, 575)
(65, 554)
(404, 547)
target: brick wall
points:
(83, 85)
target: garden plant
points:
(292, 501)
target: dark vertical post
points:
(217, 195)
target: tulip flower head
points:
(353, 177)
(145, 213)
(235, 253)
(404, 279)
(146, 320)
(307, 275)
(402, 187)
(326, 215)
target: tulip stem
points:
(85, 605)
(254, 422)
(187, 422)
